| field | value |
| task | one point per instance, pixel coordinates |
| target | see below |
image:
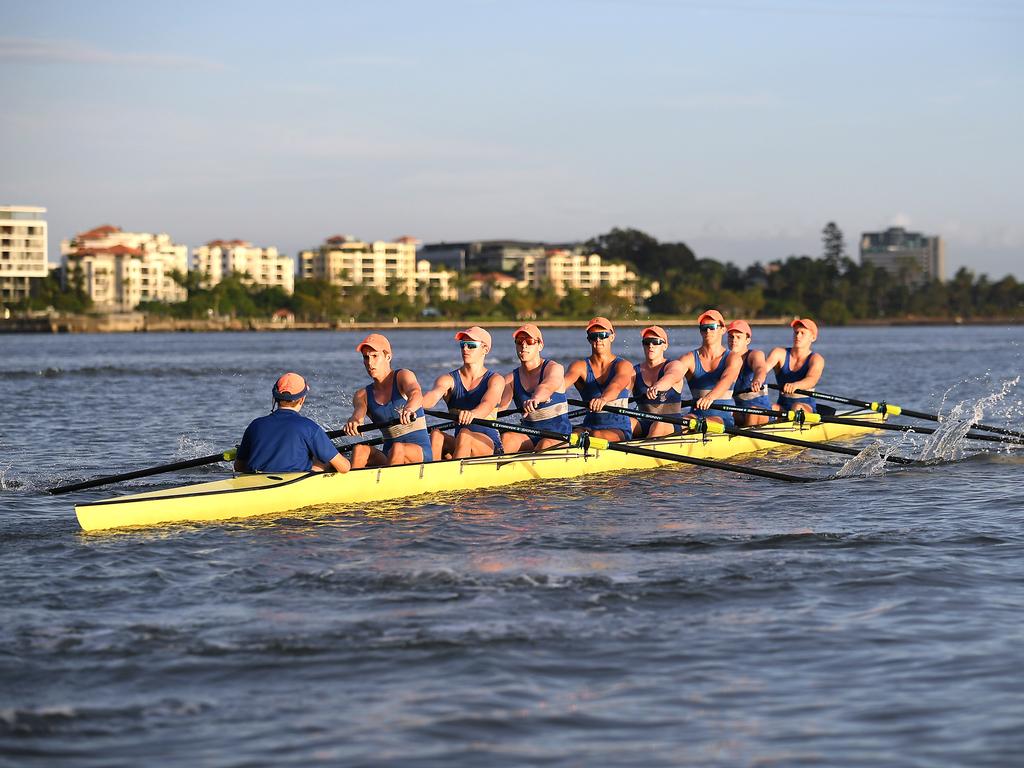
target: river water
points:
(673, 617)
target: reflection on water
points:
(670, 617)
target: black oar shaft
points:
(612, 446)
(881, 406)
(766, 436)
(187, 464)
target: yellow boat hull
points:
(257, 495)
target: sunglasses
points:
(469, 344)
(526, 341)
(595, 335)
(709, 327)
(651, 341)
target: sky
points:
(740, 127)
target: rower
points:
(391, 395)
(797, 367)
(750, 390)
(538, 388)
(657, 385)
(710, 370)
(471, 392)
(286, 441)
(602, 379)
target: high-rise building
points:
(257, 266)
(22, 250)
(119, 270)
(913, 258)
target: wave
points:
(134, 371)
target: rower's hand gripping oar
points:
(586, 440)
(754, 435)
(228, 455)
(897, 410)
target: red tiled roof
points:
(98, 232)
(406, 239)
(114, 250)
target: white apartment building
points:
(258, 266)
(120, 269)
(566, 270)
(22, 250)
(347, 262)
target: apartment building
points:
(913, 258)
(570, 269)
(22, 250)
(381, 266)
(119, 270)
(257, 266)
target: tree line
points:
(830, 287)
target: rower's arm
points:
(409, 388)
(492, 396)
(576, 372)
(553, 381)
(725, 382)
(358, 413)
(621, 379)
(759, 366)
(670, 377)
(774, 360)
(506, 395)
(440, 390)
(242, 454)
(814, 371)
(686, 364)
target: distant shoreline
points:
(138, 322)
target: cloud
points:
(74, 52)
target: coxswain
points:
(710, 370)
(797, 367)
(602, 379)
(537, 387)
(285, 440)
(393, 394)
(657, 385)
(750, 390)
(470, 391)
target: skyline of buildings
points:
(119, 270)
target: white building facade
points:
(257, 266)
(22, 250)
(380, 266)
(119, 270)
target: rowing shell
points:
(270, 494)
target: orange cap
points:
(654, 330)
(807, 323)
(375, 341)
(530, 330)
(601, 322)
(739, 325)
(475, 333)
(711, 314)
(290, 387)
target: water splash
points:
(949, 441)
(872, 460)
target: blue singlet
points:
(551, 415)
(742, 395)
(414, 432)
(466, 399)
(786, 375)
(667, 404)
(702, 382)
(591, 389)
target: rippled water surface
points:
(673, 617)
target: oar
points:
(692, 423)
(814, 418)
(575, 439)
(895, 410)
(213, 458)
